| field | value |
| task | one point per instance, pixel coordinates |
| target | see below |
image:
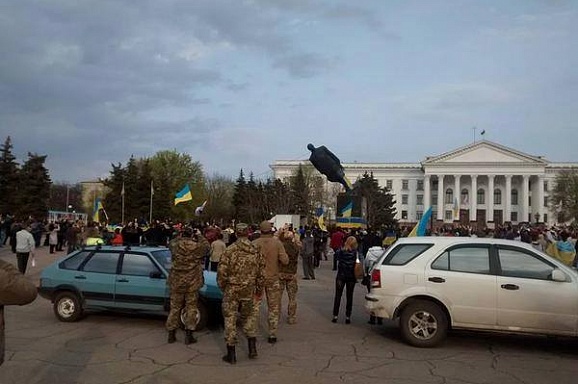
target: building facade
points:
(480, 184)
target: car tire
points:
(202, 316)
(423, 324)
(67, 307)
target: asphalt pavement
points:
(109, 348)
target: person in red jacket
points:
(117, 237)
(336, 243)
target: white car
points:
(433, 284)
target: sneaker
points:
(291, 321)
(272, 339)
(306, 278)
(347, 320)
(334, 320)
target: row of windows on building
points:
(450, 215)
(464, 198)
(405, 184)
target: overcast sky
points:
(240, 84)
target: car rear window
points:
(163, 257)
(404, 253)
(73, 262)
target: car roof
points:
(144, 248)
(449, 240)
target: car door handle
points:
(80, 277)
(510, 287)
(437, 280)
(122, 280)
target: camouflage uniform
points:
(240, 277)
(185, 279)
(275, 254)
(288, 279)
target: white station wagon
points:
(432, 284)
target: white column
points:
(490, 200)
(441, 196)
(457, 195)
(540, 198)
(525, 198)
(426, 193)
(474, 199)
(508, 193)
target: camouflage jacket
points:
(15, 289)
(187, 263)
(292, 250)
(242, 268)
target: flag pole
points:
(122, 195)
(151, 207)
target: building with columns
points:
(480, 184)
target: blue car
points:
(118, 278)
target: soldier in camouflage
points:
(240, 276)
(185, 279)
(288, 274)
(275, 255)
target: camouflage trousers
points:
(180, 301)
(233, 303)
(273, 292)
(288, 282)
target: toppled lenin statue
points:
(329, 165)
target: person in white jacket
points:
(25, 247)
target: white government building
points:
(482, 184)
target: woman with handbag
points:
(346, 263)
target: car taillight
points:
(376, 278)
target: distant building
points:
(481, 184)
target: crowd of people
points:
(256, 263)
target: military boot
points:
(189, 337)
(230, 357)
(252, 347)
(172, 336)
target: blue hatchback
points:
(117, 278)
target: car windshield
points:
(163, 257)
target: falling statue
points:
(329, 165)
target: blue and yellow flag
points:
(421, 227)
(183, 195)
(320, 220)
(346, 211)
(97, 207)
(456, 209)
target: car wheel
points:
(67, 307)
(423, 324)
(201, 316)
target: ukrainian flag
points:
(320, 221)
(346, 211)
(183, 195)
(420, 228)
(97, 207)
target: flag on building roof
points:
(183, 195)
(421, 227)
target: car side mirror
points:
(156, 275)
(558, 275)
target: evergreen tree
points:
(380, 203)
(300, 193)
(240, 198)
(33, 188)
(131, 192)
(8, 178)
(112, 201)
(143, 189)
